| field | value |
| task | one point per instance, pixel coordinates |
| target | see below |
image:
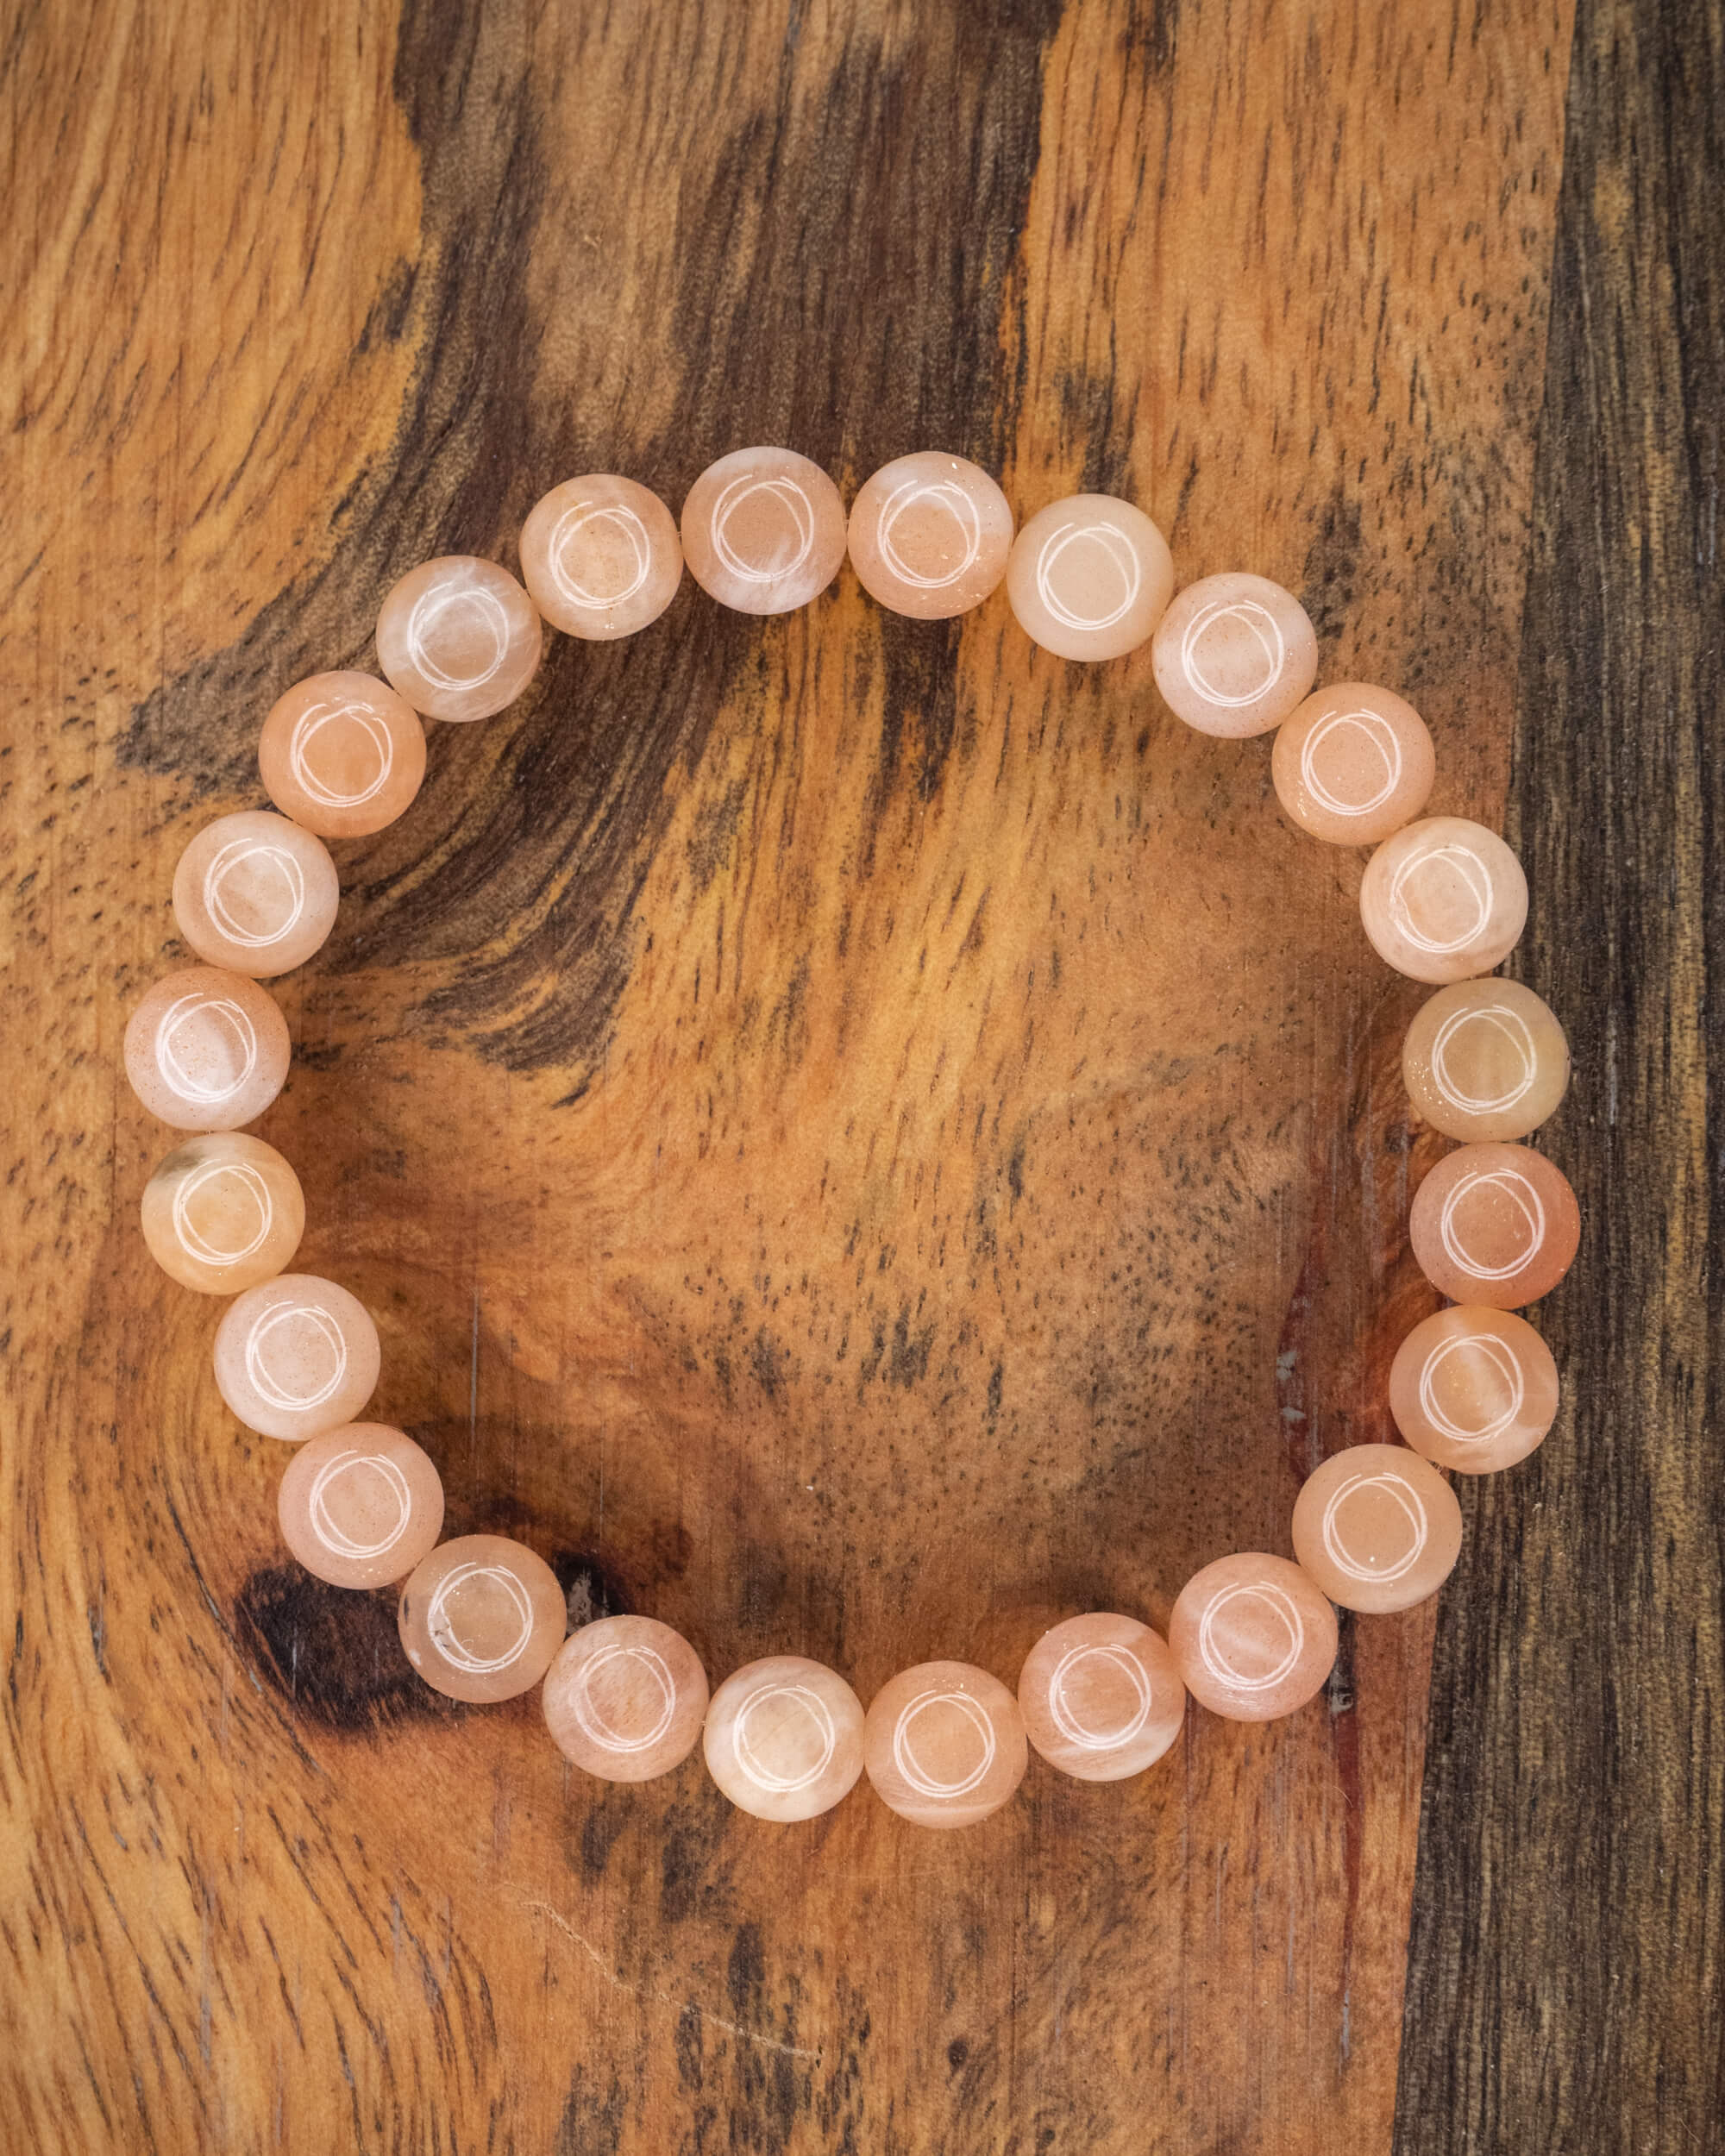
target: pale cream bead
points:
(929, 535)
(626, 1699)
(783, 1738)
(1088, 577)
(361, 1505)
(458, 637)
(600, 556)
(222, 1212)
(763, 530)
(206, 1049)
(481, 1617)
(1254, 1636)
(1101, 1697)
(1485, 1059)
(1444, 899)
(296, 1356)
(1234, 654)
(1377, 1527)
(255, 894)
(944, 1744)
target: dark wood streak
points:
(1568, 1951)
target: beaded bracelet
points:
(1252, 1636)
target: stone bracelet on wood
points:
(1493, 1227)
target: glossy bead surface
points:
(481, 1617)
(361, 1505)
(929, 535)
(1234, 654)
(222, 1212)
(206, 1049)
(255, 894)
(1253, 1637)
(763, 530)
(1088, 577)
(1485, 1059)
(296, 1357)
(944, 1744)
(342, 754)
(1444, 899)
(1377, 1527)
(600, 556)
(1101, 1697)
(459, 638)
(1496, 1224)
(783, 1738)
(1353, 764)
(626, 1699)
(1473, 1388)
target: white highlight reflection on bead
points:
(593, 1725)
(1381, 735)
(1284, 1605)
(239, 853)
(266, 1387)
(441, 1626)
(912, 1768)
(180, 1012)
(428, 609)
(1118, 548)
(334, 1538)
(732, 498)
(1060, 1706)
(570, 525)
(815, 1707)
(194, 1243)
(957, 505)
(1502, 1358)
(1512, 1183)
(306, 728)
(1473, 872)
(1401, 1492)
(1515, 1029)
(1262, 625)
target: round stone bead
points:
(361, 1505)
(1353, 764)
(1234, 654)
(763, 530)
(1473, 1389)
(625, 1698)
(1485, 1059)
(1101, 1697)
(1496, 1224)
(206, 1049)
(459, 638)
(296, 1357)
(481, 1617)
(1444, 899)
(222, 1212)
(783, 1738)
(1253, 1637)
(255, 894)
(944, 1744)
(600, 556)
(1088, 577)
(1377, 1527)
(929, 535)
(342, 754)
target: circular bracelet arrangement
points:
(1101, 1697)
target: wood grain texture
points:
(860, 1138)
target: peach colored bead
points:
(1101, 1697)
(625, 1698)
(1485, 1059)
(783, 1738)
(1088, 577)
(929, 535)
(296, 1357)
(361, 1505)
(1234, 654)
(459, 638)
(600, 556)
(255, 894)
(1353, 764)
(342, 754)
(1253, 1637)
(1473, 1389)
(1377, 1527)
(222, 1212)
(1444, 899)
(1495, 1224)
(944, 1744)
(206, 1049)
(481, 1617)
(763, 530)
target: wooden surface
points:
(860, 1138)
